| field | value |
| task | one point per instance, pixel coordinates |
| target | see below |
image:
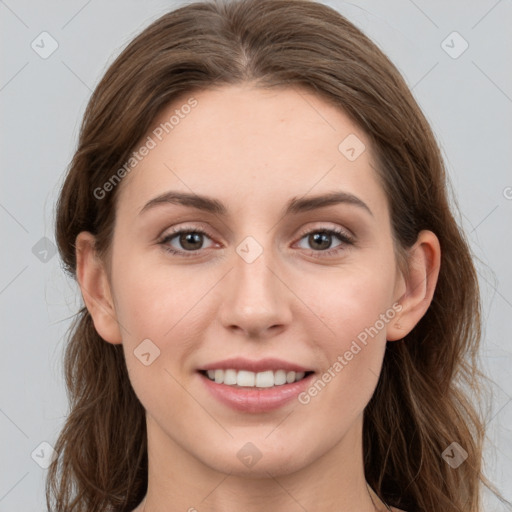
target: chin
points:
(249, 460)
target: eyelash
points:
(342, 236)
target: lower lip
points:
(256, 399)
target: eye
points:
(190, 239)
(321, 241)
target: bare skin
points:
(254, 150)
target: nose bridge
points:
(255, 297)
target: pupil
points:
(190, 238)
(321, 237)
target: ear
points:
(423, 261)
(95, 287)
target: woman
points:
(223, 360)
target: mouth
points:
(255, 386)
(249, 379)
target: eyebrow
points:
(294, 206)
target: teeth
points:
(265, 379)
(230, 377)
(279, 377)
(244, 378)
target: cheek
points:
(349, 302)
(167, 306)
(156, 314)
(152, 297)
(354, 307)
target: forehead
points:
(251, 144)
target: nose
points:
(257, 297)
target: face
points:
(265, 287)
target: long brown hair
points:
(424, 398)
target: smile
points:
(255, 386)
(248, 379)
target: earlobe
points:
(94, 285)
(424, 259)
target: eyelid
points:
(184, 227)
(325, 227)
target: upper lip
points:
(240, 363)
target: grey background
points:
(468, 101)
